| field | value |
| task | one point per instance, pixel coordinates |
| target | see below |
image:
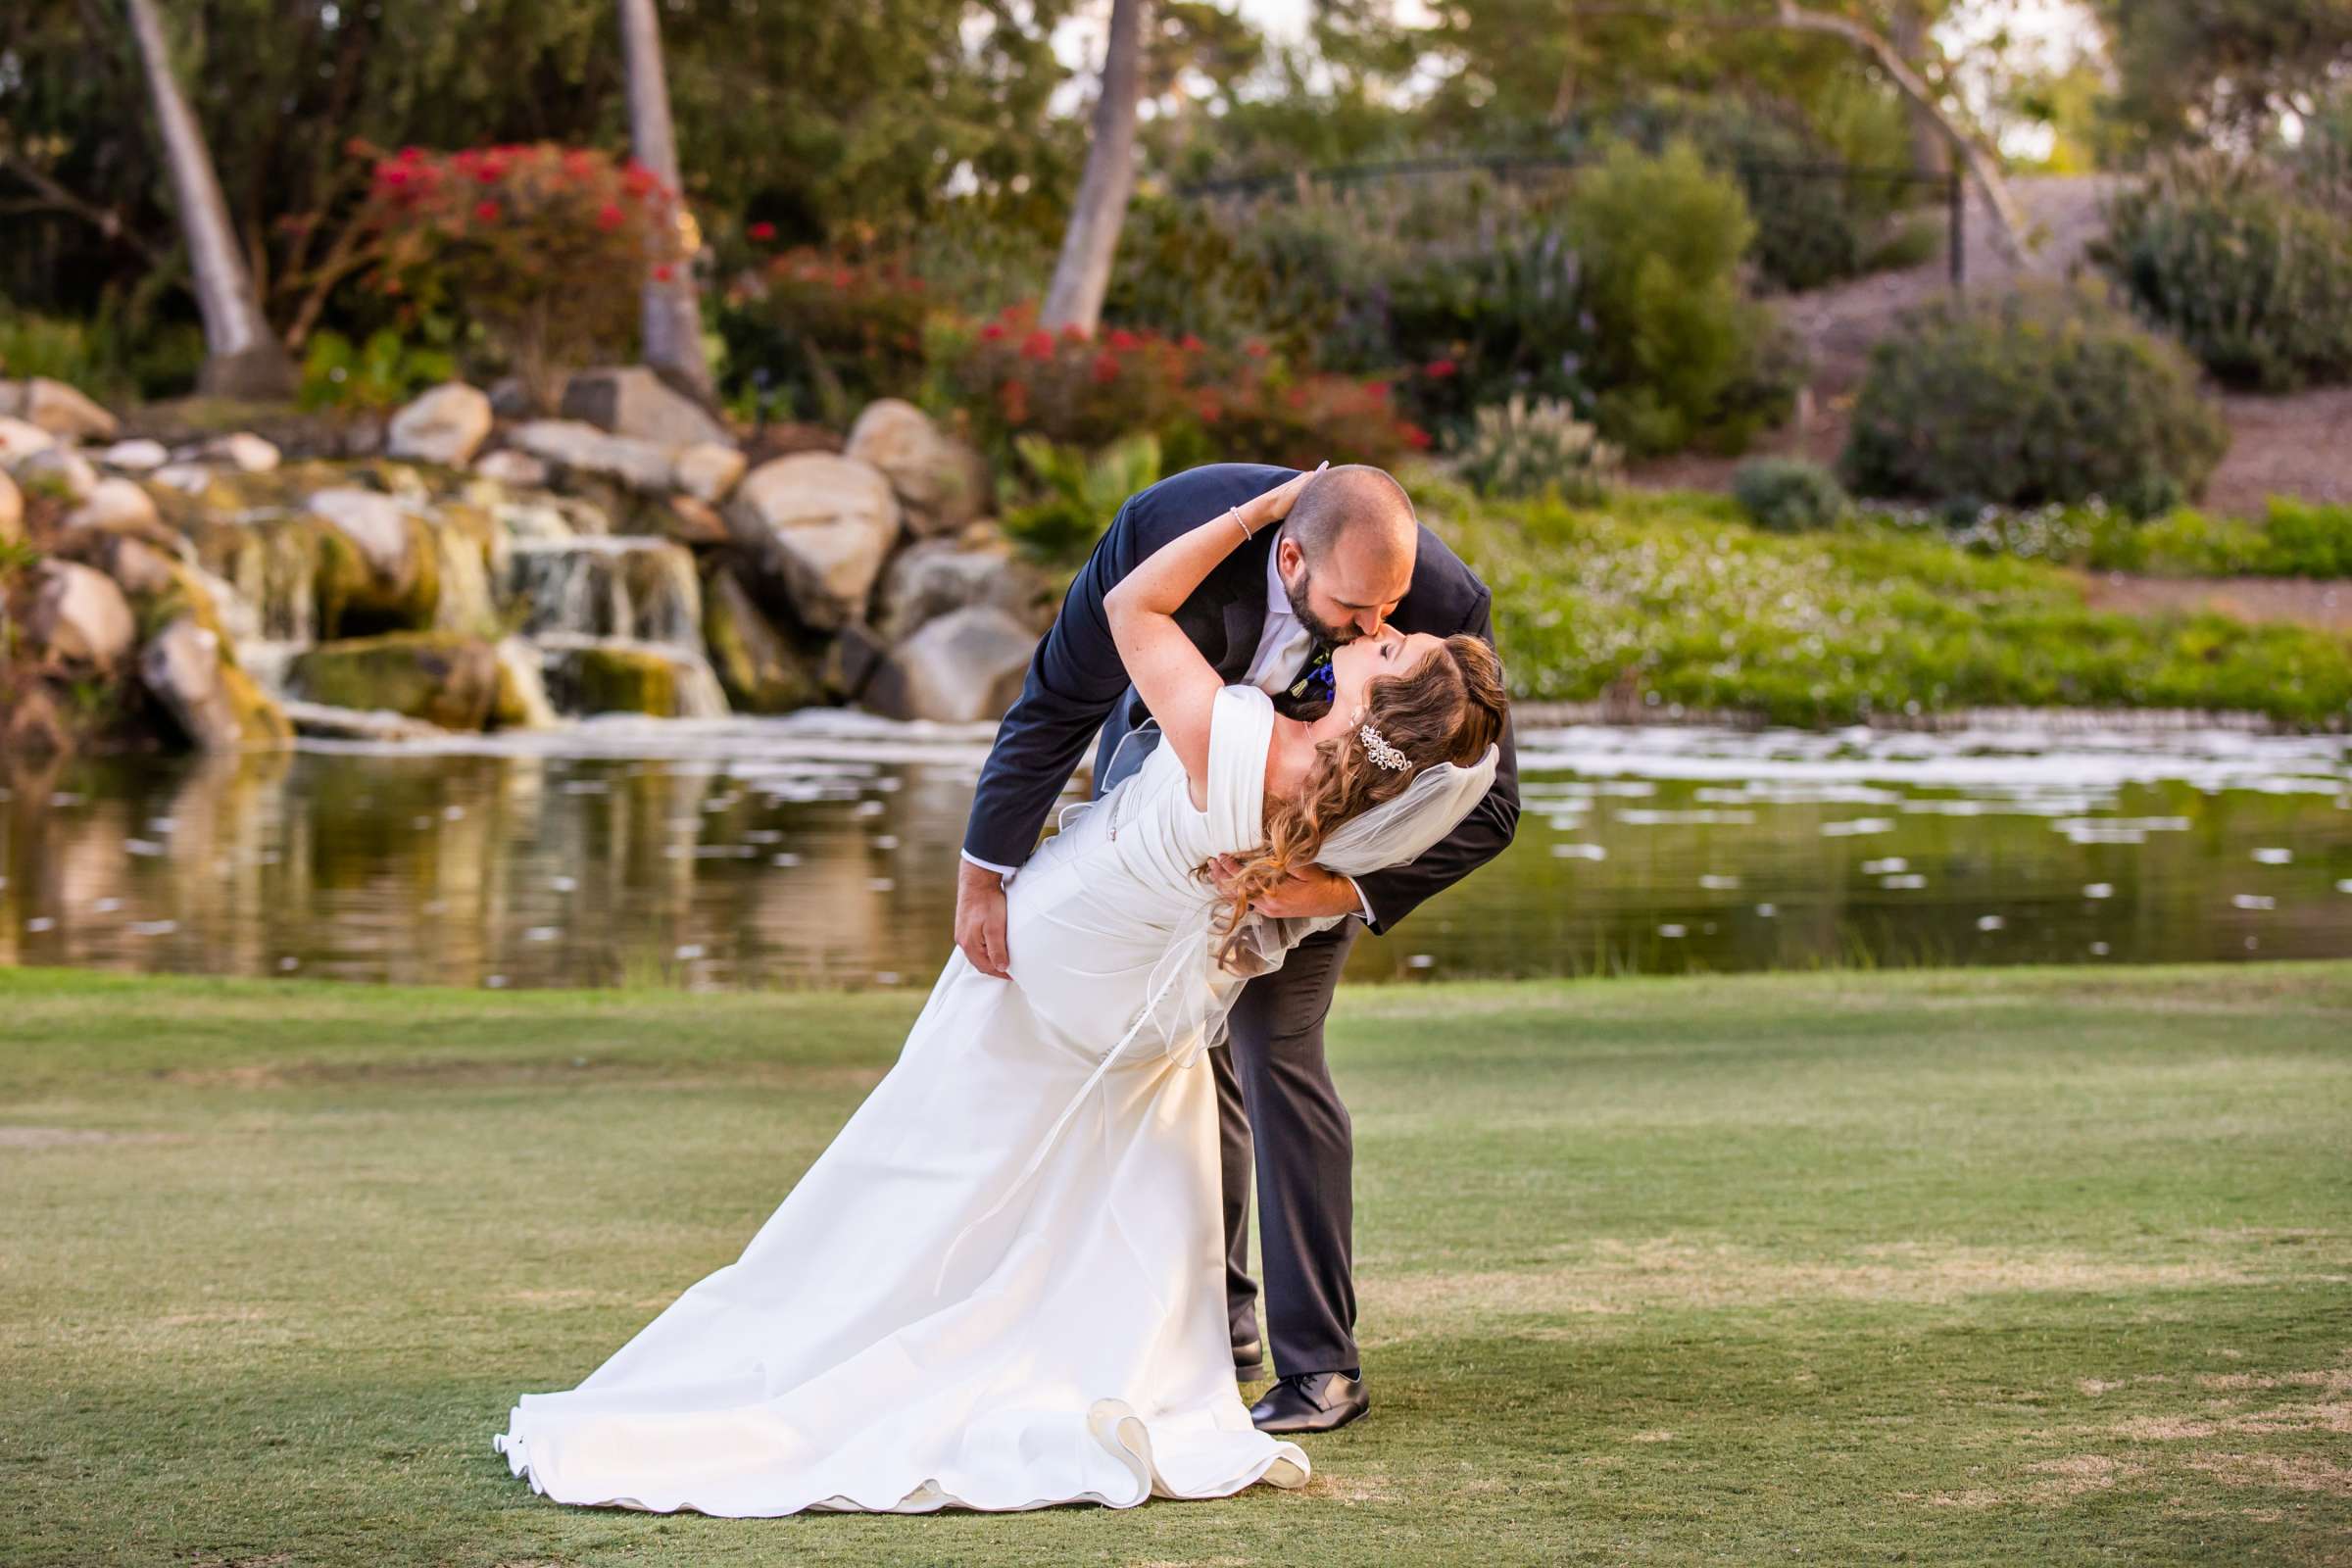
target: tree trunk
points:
(672, 318)
(1082, 277)
(1907, 33)
(243, 357)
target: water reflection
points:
(821, 849)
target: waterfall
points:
(520, 664)
(634, 587)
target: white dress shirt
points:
(1283, 644)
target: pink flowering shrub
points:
(547, 248)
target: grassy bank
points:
(1963, 1266)
(1672, 593)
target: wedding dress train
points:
(1003, 1285)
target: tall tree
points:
(671, 320)
(1907, 33)
(1082, 275)
(2193, 69)
(1866, 33)
(243, 357)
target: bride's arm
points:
(1177, 684)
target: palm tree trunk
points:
(672, 317)
(1082, 277)
(243, 357)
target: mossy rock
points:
(510, 708)
(755, 668)
(605, 678)
(259, 718)
(440, 677)
(353, 600)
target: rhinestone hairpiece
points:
(1381, 752)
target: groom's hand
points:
(980, 919)
(1307, 895)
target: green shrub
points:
(383, 372)
(1662, 240)
(817, 336)
(2308, 539)
(115, 354)
(1076, 494)
(2228, 257)
(1520, 449)
(1674, 597)
(1811, 228)
(1789, 494)
(1510, 321)
(2049, 394)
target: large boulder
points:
(517, 470)
(139, 456)
(942, 482)
(59, 468)
(632, 401)
(707, 471)
(113, 504)
(939, 577)
(243, 450)
(446, 425)
(817, 529)
(56, 407)
(756, 667)
(961, 668)
(216, 704)
(379, 570)
(80, 615)
(570, 444)
(440, 677)
(21, 439)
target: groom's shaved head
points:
(1347, 552)
(1356, 509)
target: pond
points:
(821, 849)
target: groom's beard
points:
(1316, 626)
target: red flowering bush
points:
(546, 247)
(825, 335)
(1017, 378)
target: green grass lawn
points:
(2033, 1267)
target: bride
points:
(1003, 1285)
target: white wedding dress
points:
(1003, 1285)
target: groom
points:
(1350, 559)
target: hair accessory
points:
(1381, 752)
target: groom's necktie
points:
(1311, 688)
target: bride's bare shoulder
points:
(1290, 758)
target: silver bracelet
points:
(1235, 513)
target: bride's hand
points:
(1306, 895)
(1275, 505)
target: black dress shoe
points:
(1249, 1362)
(1312, 1402)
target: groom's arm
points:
(1076, 678)
(1074, 681)
(1397, 892)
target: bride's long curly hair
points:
(1448, 709)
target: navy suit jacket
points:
(1077, 686)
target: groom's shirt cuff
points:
(1005, 871)
(1364, 904)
